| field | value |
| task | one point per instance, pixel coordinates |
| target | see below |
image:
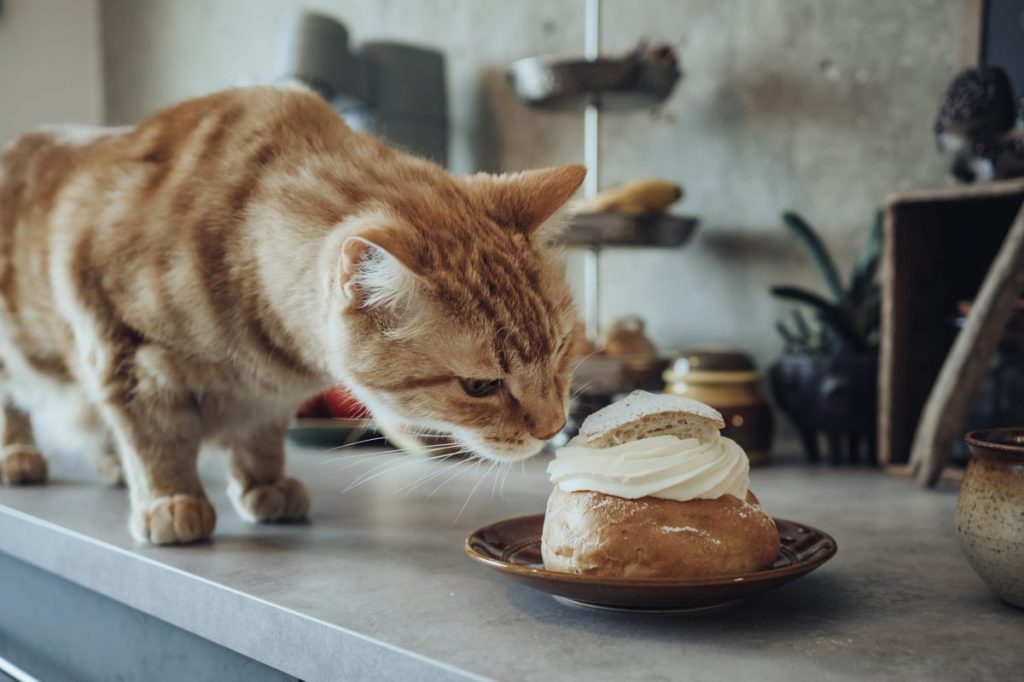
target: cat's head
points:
(454, 312)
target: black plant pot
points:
(831, 395)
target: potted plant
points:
(826, 380)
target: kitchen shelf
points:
(608, 228)
(617, 84)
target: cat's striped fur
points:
(190, 280)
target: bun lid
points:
(644, 415)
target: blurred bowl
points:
(990, 510)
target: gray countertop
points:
(378, 584)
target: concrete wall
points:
(50, 69)
(822, 106)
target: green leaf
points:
(833, 316)
(866, 267)
(812, 242)
(787, 336)
(871, 313)
(801, 324)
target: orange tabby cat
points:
(190, 280)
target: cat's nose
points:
(546, 429)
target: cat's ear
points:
(525, 201)
(374, 277)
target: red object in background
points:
(314, 408)
(343, 405)
(335, 402)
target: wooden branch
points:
(951, 397)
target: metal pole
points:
(592, 160)
(591, 122)
(592, 292)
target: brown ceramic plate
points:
(512, 547)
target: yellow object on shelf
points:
(635, 198)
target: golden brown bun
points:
(602, 535)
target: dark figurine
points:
(978, 124)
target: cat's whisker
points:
(498, 475)
(356, 460)
(426, 478)
(581, 389)
(386, 468)
(409, 487)
(494, 485)
(413, 432)
(576, 363)
(358, 442)
(342, 463)
(394, 451)
(459, 469)
(391, 454)
(508, 469)
(449, 467)
(470, 496)
(351, 458)
(476, 466)
(359, 459)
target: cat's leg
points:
(157, 427)
(20, 459)
(70, 425)
(258, 487)
(98, 442)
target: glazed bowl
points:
(990, 510)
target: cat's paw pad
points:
(285, 500)
(173, 520)
(21, 464)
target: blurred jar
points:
(726, 379)
(626, 338)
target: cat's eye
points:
(478, 388)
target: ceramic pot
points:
(626, 338)
(728, 381)
(831, 395)
(990, 510)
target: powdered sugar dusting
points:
(602, 503)
(690, 529)
(681, 529)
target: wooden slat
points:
(968, 361)
(938, 247)
(983, 190)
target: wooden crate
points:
(939, 245)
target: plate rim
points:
(794, 569)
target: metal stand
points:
(592, 160)
(597, 83)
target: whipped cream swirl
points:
(669, 467)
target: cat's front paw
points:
(285, 500)
(173, 520)
(21, 464)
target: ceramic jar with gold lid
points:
(728, 380)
